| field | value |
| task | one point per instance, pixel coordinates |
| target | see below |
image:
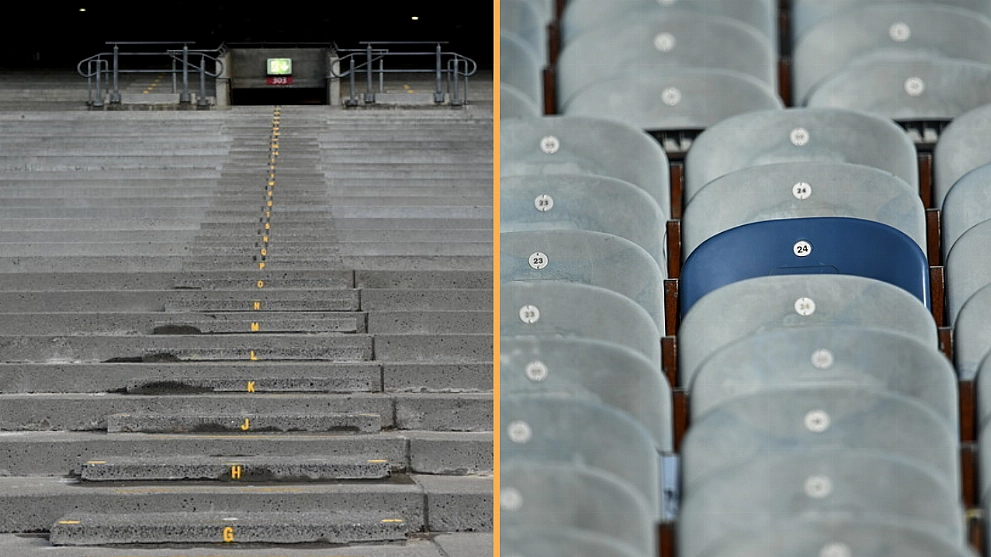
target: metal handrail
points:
(456, 69)
(178, 56)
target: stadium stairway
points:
(256, 328)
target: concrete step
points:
(230, 528)
(182, 301)
(450, 247)
(434, 347)
(405, 411)
(232, 347)
(427, 322)
(205, 280)
(169, 264)
(426, 299)
(235, 469)
(214, 423)
(235, 377)
(61, 453)
(442, 545)
(329, 237)
(110, 323)
(234, 280)
(452, 504)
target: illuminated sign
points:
(280, 66)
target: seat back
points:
(827, 245)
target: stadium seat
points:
(822, 245)
(799, 134)
(661, 41)
(889, 30)
(521, 68)
(683, 99)
(824, 418)
(561, 542)
(967, 204)
(584, 202)
(552, 497)
(861, 536)
(523, 19)
(802, 189)
(604, 372)
(584, 257)
(983, 378)
(806, 13)
(972, 333)
(968, 267)
(582, 15)
(586, 145)
(548, 428)
(769, 493)
(513, 103)
(764, 304)
(920, 88)
(962, 147)
(828, 355)
(564, 309)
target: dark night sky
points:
(63, 34)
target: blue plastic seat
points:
(827, 245)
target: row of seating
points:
(823, 418)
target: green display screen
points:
(280, 66)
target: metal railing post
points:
(369, 94)
(438, 93)
(98, 102)
(456, 100)
(185, 97)
(381, 75)
(352, 101)
(201, 101)
(115, 95)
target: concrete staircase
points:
(262, 327)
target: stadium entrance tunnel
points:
(273, 74)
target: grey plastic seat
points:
(562, 542)
(514, 103)
(876, 28)
(553, 497)
(520, 67)
(800, 134)
(585, 257)
(775, 421)
(968, 267)
(920, 88)
(523, 19)
(863, 536)
(768, 303)
(584, 202)
(968, 203)
(679, 99)
(604, 372)
(984, 445)
(557, 429)
(569, 310)
(962, 147)
(972, 333)
(830, 355)
(583, 15)
(802, 189)
(660, 41)
(983, 378)
(770, 493)
(806, 13)
(586, 145)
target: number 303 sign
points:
(282, 80)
